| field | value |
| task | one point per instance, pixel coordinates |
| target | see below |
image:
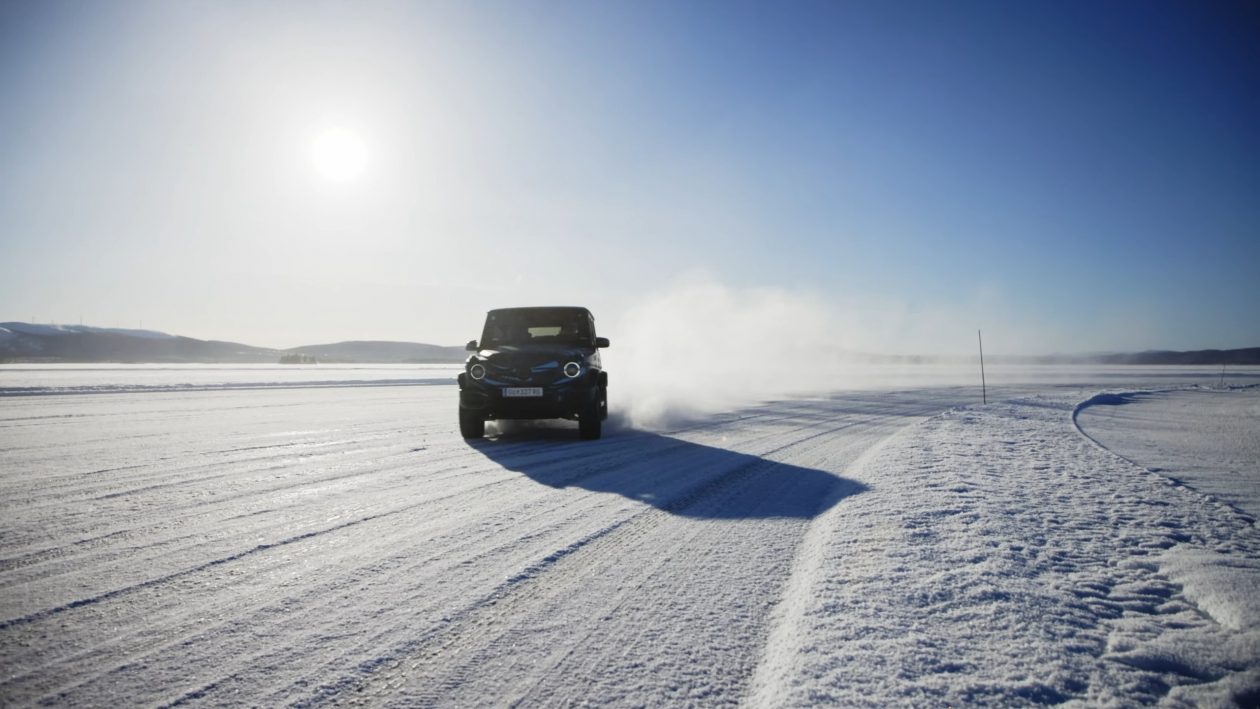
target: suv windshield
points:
(529, 326)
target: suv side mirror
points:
(471, 346)
(601, 342)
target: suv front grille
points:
(525, 375)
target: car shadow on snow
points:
(676, 476)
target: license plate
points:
(521, 392)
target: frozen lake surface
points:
(279, 536)
(26, 379)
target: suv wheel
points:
(471, 425)
(590, 422)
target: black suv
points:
(535, 363)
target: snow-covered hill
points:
(24, 342)
(22, 328)
(79, 343)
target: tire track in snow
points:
(198, 507)
(385, 581)
(429, 501)
(116, 593)
(376, 646)
(485, 643)
(191, 514)
(158, 655)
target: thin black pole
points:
(984, 389)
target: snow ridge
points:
(784, 643)
(1001, 559)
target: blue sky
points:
(1068, 176)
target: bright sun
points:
(339, 155)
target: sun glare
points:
(339, 155)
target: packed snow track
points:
(310, 546)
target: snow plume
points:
(700, 347)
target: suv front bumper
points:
(556, 401)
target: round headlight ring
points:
(572, 370)
(477, 372)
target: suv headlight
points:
(477, 372)
(572, 369)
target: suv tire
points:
(471, 425)
(590, 421)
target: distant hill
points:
(25, 342)
(78, 343)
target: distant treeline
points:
(1247, 355)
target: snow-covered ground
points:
(1008, 560)
(1207, 438)
(177, 543)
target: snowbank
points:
(1026, 566)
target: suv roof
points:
(557, 308)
